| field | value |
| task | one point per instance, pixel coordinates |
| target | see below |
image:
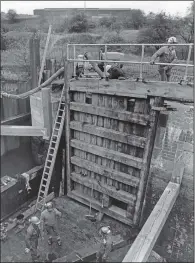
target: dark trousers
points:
(33, 250)
(52, 231)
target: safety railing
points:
(141, 63)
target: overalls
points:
(34, 232)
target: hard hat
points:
(105, 230)
(49, 205)
(80, 56)
(34, 220)
(172, 40)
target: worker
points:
(106, 244)
(166, 54)
(80, 67)
(49, 222)
(32, 236)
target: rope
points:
(28, 93)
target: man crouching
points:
(49, 222)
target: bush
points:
(12, 15)
(3, 41)
(78, 23)
(107, 21)
(114, 38)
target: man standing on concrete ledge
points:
(166, 54)
(49, 222)
(32, 237)
(106, 244)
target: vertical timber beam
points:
(67, 127)
(34, 45)
(139, 207)
(47, 111)
(58, 169)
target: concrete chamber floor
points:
(78, 233)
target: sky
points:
(170, 7)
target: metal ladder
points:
(51, 154)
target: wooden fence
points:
(11, 108)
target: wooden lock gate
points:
(110, 136)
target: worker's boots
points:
(50, 241)
(59, 242)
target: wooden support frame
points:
(67, 127)
(158, 102)
(144, 243)
(13, 130)
(166, 90)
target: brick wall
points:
(174, 140)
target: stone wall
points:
(176, 240)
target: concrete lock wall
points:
(38, 144)
(172, 139)
(14, 195)
(37, 107)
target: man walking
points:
(106, 244)
(166, 54)
(32, 237)
(49, 222)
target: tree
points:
(78, 23)
(12, 15)
(159, 28)
(135, 20)
(107, 21)
(117, 26)
(185, 26)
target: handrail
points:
(128, 62)
(130, 44)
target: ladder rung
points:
(58, 122)
(49, 161)
(56, 129)
(51, 148)
(47, 166)
(46, 173)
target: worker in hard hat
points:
(32, 236)
(80, 66)
(166, 54)
(106, 244)
(49, 222)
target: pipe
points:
(94, 65)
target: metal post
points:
(105, 58)
(141, 65)
(67, 52)
(188, 60)
(74, 54)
